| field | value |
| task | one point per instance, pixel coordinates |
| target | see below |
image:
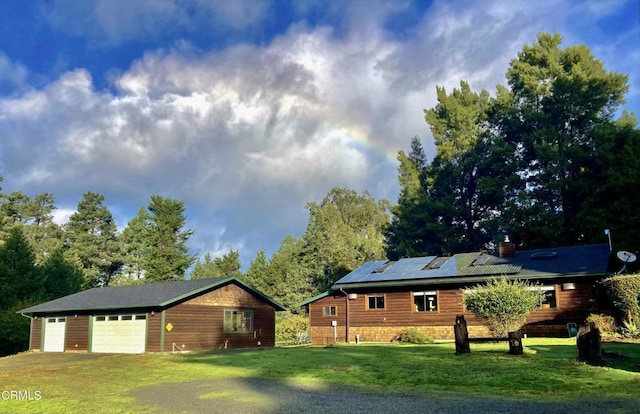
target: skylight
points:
(436, 263)
(384, 267)
(481, 260)
(544, 255)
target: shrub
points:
(503, 305)
(630, 329)
(293, 329)
(605, 323)
(413, 336)
(622, 291)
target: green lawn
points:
(103, 383)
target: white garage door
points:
(123, 334)
(54, 334)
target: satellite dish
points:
(625, 257)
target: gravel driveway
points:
(264, 396)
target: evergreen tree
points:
(258, 274)
(168, 256)
(21, 285)
(90, 238)
(61, 278)
(227, 265)
(135, 247)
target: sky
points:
(247, 110)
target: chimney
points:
(506, 248)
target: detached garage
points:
(156, 317)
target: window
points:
(238, 321)
(436, 263)
(376, 301)
(549, 296)
(141, 317)
(100, 318)
(426, 301)
(481, 260)
(127, 317)
(384, 267)
(113, 318)
(330, 311)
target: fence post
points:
(515, 343)
(462, 335)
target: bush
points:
(622, 291)
(605, 323)
(293, 329)
(413, 336)
(503, 305)
(630, 329)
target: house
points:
(382, 298)
(156, 317)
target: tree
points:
(503, 305)
(168, 256)
(21, 285)
(557, 99)
(44, 235)
(90, 238)
(135, 247)
(227, 265)
(413, 228)
(344, 230)
(258, 274)
(292, 278)
(61, 278)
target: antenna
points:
(625, 257)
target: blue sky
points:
(247, 110)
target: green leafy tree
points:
(291, 277)
(344, 230)
(503, 305)
(91, 239)
(168, 256)
(227, 265)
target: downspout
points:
(30, 328)
(346, 314)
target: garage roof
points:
(150, 295)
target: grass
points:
(105, 383)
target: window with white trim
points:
(330, 311)
(238, 321)
(375, 301)
(549, 300)
(426, 301)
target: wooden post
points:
(515, 343)
(589, 346)
(462, 335)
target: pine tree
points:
(168, 256)
(90, 238)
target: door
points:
(122, 334)
(54, 330)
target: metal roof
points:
(527, 264)
(150, 295)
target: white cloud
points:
(12, 74)
(248, 134)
